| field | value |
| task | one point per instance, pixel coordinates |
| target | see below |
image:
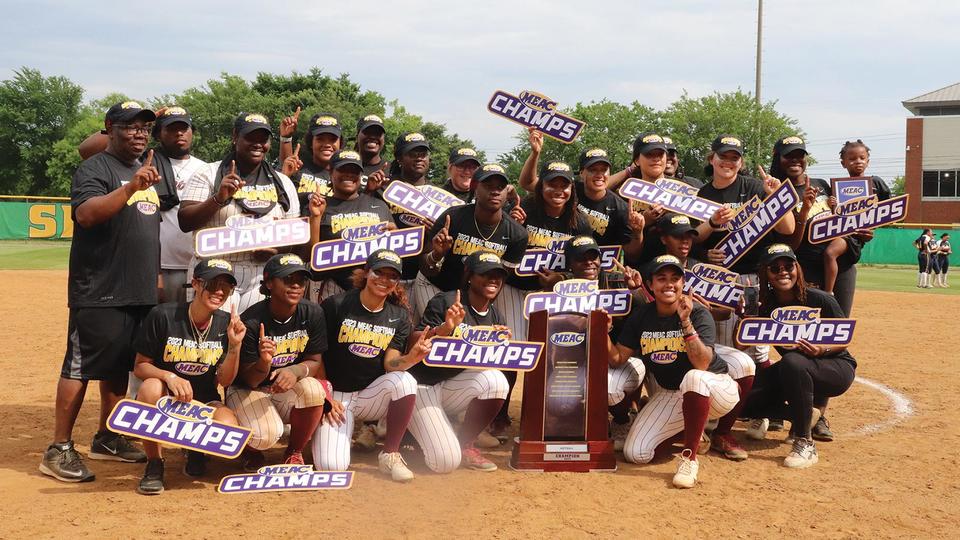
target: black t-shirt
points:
(735, 196)
(433, 316)
(405, 220)
(829, 309)
(359, 339)
(541, 231)
(371, 168)
(508, 240)
(308, 179)
(691, 181)
(658, 341)
(114, 263)
(465, 196)
(342, 214)
(305, 333)
(609, 218)
(167, 337)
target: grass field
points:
(53, 255)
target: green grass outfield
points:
(52, 255)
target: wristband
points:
(691, 337)
(221, 204)
(327, 388)
(712, 225)
(286, 139)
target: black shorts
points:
(100, 342)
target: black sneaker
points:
(62, 462)
(152, 481)
(776, 424)
(110, 446)
(196, 464)
(821, 431)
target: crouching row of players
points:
(356, 357)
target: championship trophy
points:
(563, 419)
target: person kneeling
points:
(674, 337)
(186, 350)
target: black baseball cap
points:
(578, 246)
(384, 258)
(589, 156)
(556, 169)
(128, 111)
(673, 224)
(409, 141)
(344, 158)
(284, 264)
(490, 170)
(172, 115)
(788, 144)
(661, 262)
(370, 120)
(249, 122)
(648, 141)
(325, 123)
(776, 251)
(459, 155)
(727, 143)
(481, 262)
(668, 142)
(208, 269)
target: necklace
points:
(200, 335)
(480, 231)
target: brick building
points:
(933, 156)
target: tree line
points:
(44, 118)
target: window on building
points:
(940, 184)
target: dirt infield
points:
(884, 476)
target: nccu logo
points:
(567, 339)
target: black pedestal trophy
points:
(563, 419)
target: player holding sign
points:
(804, 373)
(348, 208)
(185, 351)
(444, 393)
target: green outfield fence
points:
(24, 218)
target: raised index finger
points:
(233, 166)
(148, 162)
(262, 334)
(763, 173)
(296, 113)
(458, 297)
(446, 223)
(296, 152)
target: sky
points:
(841, 68)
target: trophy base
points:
(560, 456)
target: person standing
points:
(944, 256)
(112, 285)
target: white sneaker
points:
(618, 432)
(757, 430)
(814, 418)
(366, 439)
(803, 455)
(381, 429)
(686, 476)
(393, 464)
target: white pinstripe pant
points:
(727, 328)
(430, 424)
(321, 290)
(247, 291)
(739, 363)
(510, 305)
(662, 417)
(421, 292)
(624, 379)
(265, 413)
(331, 444)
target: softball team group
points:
(334, 358)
